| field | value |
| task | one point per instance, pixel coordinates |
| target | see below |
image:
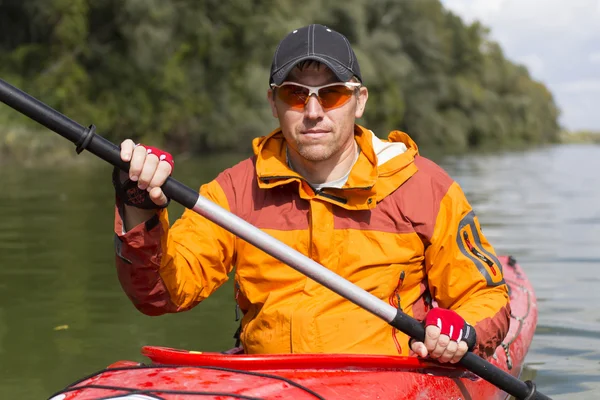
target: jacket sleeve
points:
(464, 273)
(165, 269)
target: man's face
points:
(314, 133)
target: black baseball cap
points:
(319, 43)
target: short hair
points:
(305, 64)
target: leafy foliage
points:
(192, 75)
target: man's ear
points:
(363, 96)
(271, 99)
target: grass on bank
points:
(26, 147)
(584, 136)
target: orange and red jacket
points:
(399, 228)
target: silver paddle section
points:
(294, 259)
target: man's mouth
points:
(315, 131)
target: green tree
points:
(192, 75)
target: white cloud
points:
(534, 63)
(549, 15)
(472, 10)
(595, 58)
(580, 86)
(558, 41)
(583, 107)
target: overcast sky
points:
(559, 42)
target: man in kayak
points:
(373, 211)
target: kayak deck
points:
(182, 374)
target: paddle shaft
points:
(86, 139)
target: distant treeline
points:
(583, 136)
(193, 75)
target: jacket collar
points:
(371, 179)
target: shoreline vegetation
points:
(192, 76)
(28, 148)
(580, 137)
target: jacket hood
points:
(382, 166)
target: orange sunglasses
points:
(329, 96)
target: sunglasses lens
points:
(293, 95)
(333, 96)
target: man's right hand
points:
(147, 170)
(150, 173)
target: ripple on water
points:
(537, 207)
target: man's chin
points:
(315, 152)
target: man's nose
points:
(313, 108)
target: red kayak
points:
(181, 374)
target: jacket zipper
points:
(479, 254)
(321, 193)
(238, 311)
(396, 296)
(396, 293)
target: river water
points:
(63, 314)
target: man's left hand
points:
(447, 337)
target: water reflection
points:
(542, 207)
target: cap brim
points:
(342, 73)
